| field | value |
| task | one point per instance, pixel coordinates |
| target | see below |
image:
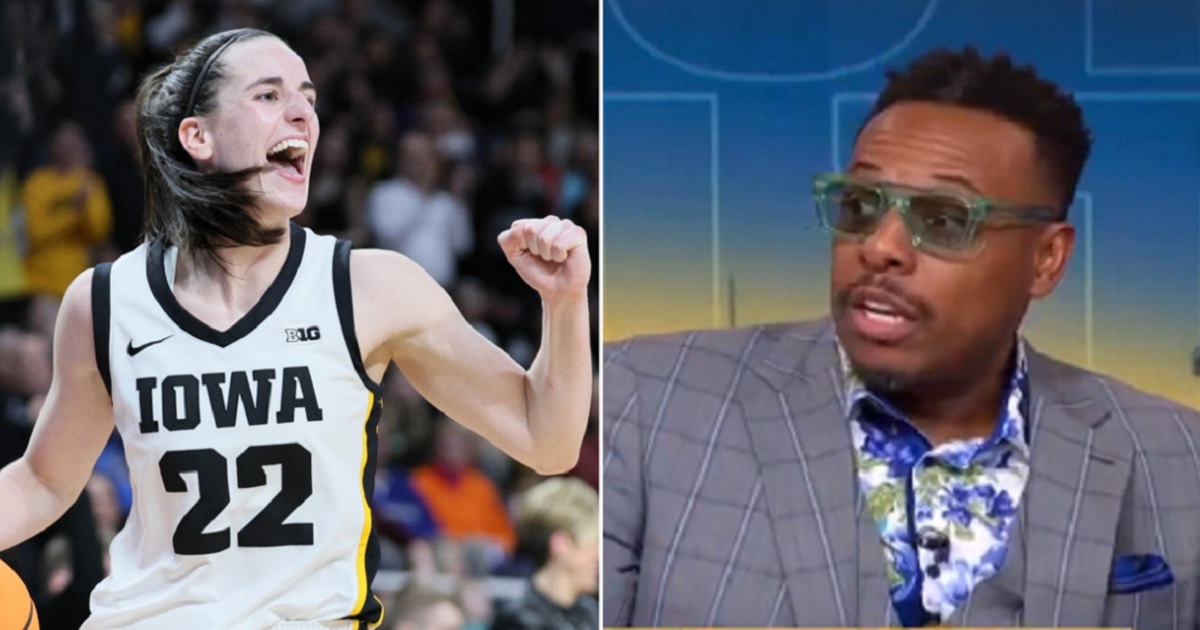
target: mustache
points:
(842, 300)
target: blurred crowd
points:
(443, 121)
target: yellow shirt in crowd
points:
(12, 274)
(66, 214)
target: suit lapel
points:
(829, 548)
(874, 593)
(1061, 550)
(800, 436)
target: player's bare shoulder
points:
(394, 298)
(74, 326)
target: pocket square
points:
(1136, 573)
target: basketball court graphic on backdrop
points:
(713, 131)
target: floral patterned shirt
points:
(958, 499)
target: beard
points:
(883, 381)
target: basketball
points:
(16, 607)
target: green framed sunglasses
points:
(937, 222)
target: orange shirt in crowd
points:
(465, 504)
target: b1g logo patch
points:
(302, 334)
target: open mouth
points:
(881, 317)
(289, 156)
(881, 312)
(882, 304)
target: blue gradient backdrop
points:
(717, 112)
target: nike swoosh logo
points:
(133, 350)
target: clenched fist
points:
(551, 255)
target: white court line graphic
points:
(658, 54)
(1089, 46)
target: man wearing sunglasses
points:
(909, 460)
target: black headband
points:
(204, 73)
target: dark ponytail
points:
(185, 207)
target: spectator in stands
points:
(411, 418)
(420, 606)
(559, 527)
(25, 373)
(106, 506)
(582, 177)
(111, 465)
(465, 503)
(471, 297)
(335, 197)
(12, 267)
(118, 163)
(454, 140)
(476, 600)
(67, 213)
(376, 141)
(589, 218)
(400, 513)
(411, 215)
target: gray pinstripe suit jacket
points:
(730, 495)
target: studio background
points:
(718, 112)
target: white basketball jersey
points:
(251, 451)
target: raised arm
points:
(70, 432)
(537, 417)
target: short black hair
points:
(1014, 92)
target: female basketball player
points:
(239, 356)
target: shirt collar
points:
(1012, 428)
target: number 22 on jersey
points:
(268, 528)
